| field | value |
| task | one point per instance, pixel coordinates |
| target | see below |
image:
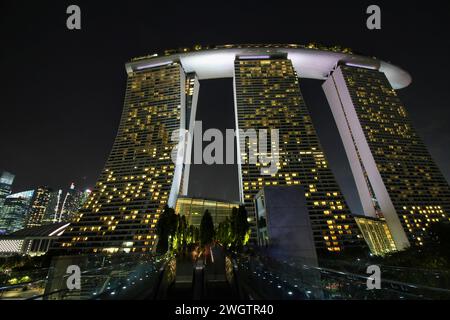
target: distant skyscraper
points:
(15, 210)
(6, 181)
(51, 212)
(38, 207)
(63, 206)
(268, 97)
(83, 197)
(70, 204)
(395, 175)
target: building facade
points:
(64, 205)
(15, 211)
(139, 177)
(6, 181)
(377, 235)
(395, 175)
(38, 207)
(268, 97)
(283, 224)
(194, 208)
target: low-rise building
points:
(194, 208)
(31, 241)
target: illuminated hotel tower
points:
(267, 96)
(139, 177)
(396, 177)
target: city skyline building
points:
(63, 205)
(6, 181)
(15, 210)
(38, 207)
(395, 175)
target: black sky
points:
(62, 91)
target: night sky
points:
(62, 91)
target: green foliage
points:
(224, 233)
(241, 227)
(192, 234)
(174, 233)
(15, 281)
(165, 229)
(185, 236)
(234, 232)
(177, 235)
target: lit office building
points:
(268, 97)
(15, 210)
(395, 175)
(63, 206)
(38, 207)
(51, 214)
(194, 208)
(139, 178)
(83, 196)
(6, 181)
(70, 204)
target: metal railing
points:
(267, 278)
(102, 277)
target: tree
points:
(196, 235)
(165, 228)
(192, 235)
(224, 233)
(242, 227)
(235, 230)
(206, 229)
(180, 238)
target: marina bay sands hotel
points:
(398, 182)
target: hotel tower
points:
(396, 178)
(268, 96)
(139, 177)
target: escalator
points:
(203, 279)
